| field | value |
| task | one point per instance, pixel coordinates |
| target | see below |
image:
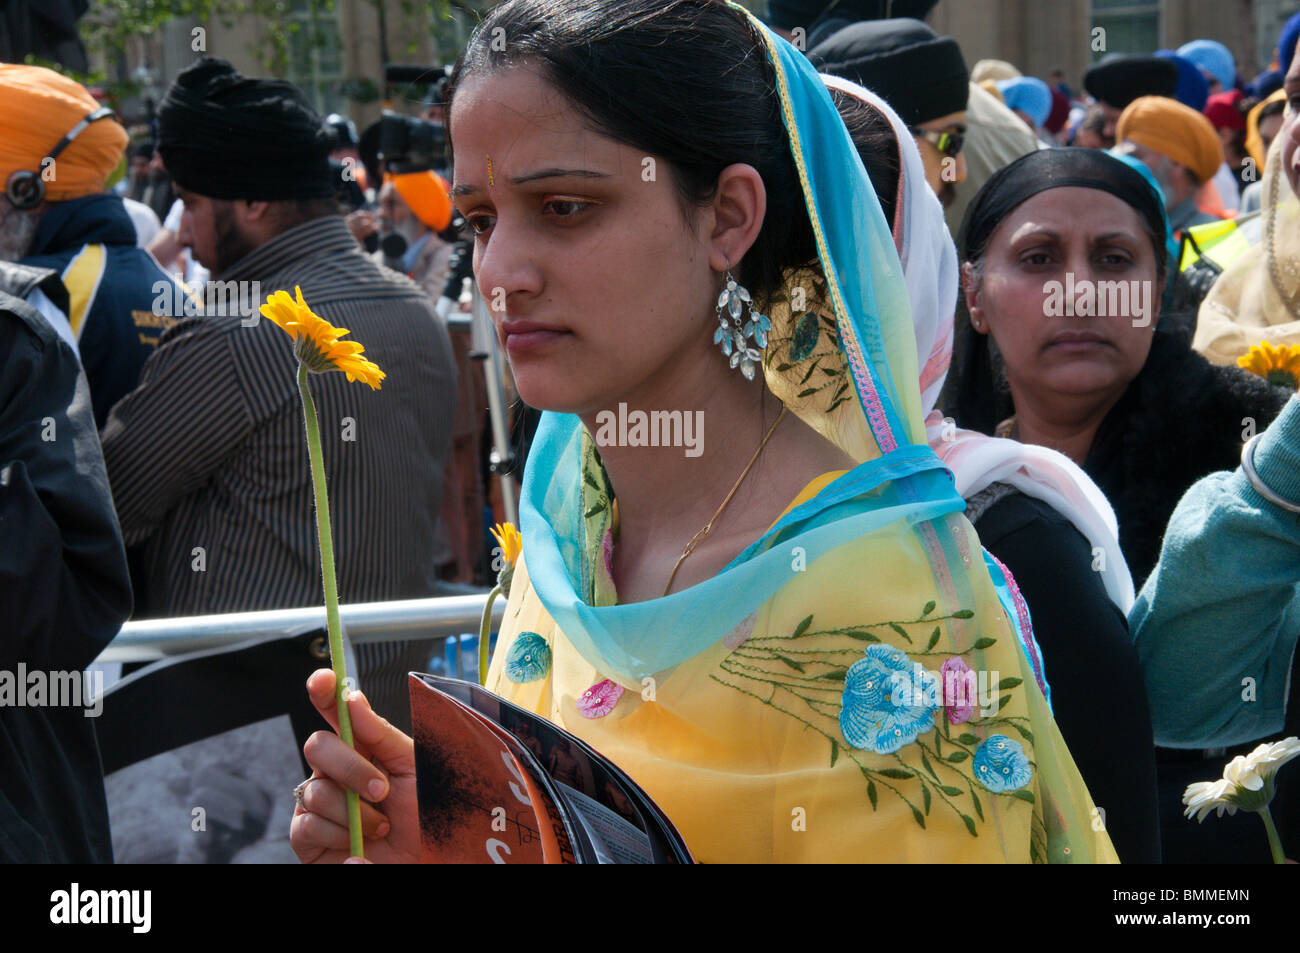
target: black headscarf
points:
(976, 393)
(227, 136)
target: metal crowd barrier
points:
(441, 617)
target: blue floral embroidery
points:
(1000, 764)
(883, 708)
(529, 658)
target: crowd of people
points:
(998, 377)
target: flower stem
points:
(1274, 842)
(484, 631)
(331, 593)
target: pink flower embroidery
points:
(959, 693)
(599, 700)
(607, 551)
(737, 636)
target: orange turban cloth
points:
(428, 196)
(38, 107)
(1168, 127)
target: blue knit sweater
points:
(1217, 621)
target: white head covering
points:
(930, 272)
(925, 248)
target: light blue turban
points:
(1028, 94)
(1213, 58)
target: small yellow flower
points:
(509, 540)
(512, 545)
(1278, 365)
(316, 341)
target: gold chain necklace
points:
(699, 537)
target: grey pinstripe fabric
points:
(209, 452)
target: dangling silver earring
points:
(734, 334)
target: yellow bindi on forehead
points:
(491, 180)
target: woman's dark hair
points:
(876, 143)
(688, 81)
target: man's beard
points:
(17, 232)
(232, 244)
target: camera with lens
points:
(407, 144)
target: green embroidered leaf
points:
(964, 614)
(782, 368)
(830, 373)
(871, 793)
(975, 799)
(836, 403)
(983, 643)
(1009, 683)
(835, 751)
(1023, 795)
(792, 663)
(925, 796)
(802, 627)
(808, 373)
(803, 341)
(919, 819)
(929, 607)
(967, 739)
(951, 791)
(1024, 732)
(590, 480)
(593, 511)
(808, 392)
(957, 756)
(934, 639)
(862, 636)
(899, 773)
(1002, 702)
(836, 676)
(970, 825)
(900, 630)
(925, 763)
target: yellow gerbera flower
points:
(1278, 365)
(509, 540)
(316, 341)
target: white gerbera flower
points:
(1202, 797)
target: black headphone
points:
(25, 189)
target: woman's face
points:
(600, 289)
(1069, 293)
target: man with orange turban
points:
(1179, 146)
(56, 215)
(415, 215)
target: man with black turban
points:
(206, 457)
(1121, 78)
(920, 74)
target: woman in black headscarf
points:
(1060, 342)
